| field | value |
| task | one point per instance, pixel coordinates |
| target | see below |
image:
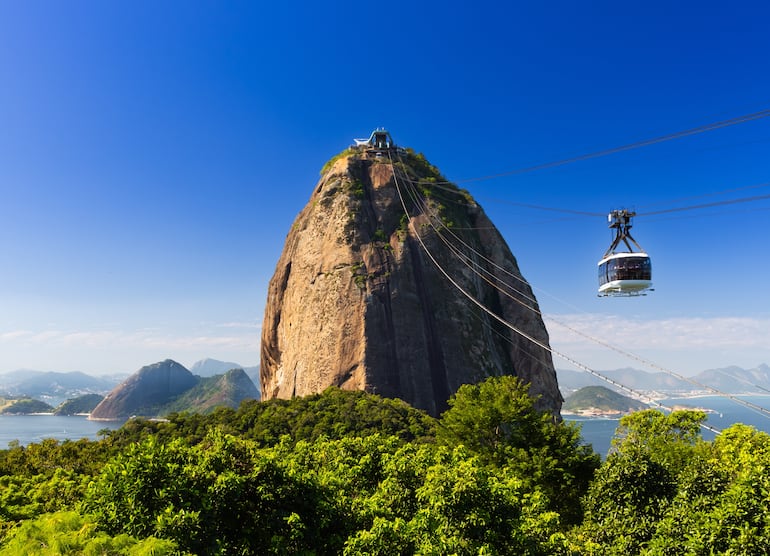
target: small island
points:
(598, 401)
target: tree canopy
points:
(352, 473)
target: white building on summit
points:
(379, 139)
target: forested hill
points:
(598, 399)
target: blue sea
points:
(599, 432)
(34, 428)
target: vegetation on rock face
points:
(352, 473)
(329, 163)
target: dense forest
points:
(352, 473)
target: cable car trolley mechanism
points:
(624, 273)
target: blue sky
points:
(153, 156)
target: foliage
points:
(46, 457)
(228, 496)
(329, 163)
(497, 420)
(223, 496)
(721, 506)
(334, 413)
(634, 487)
(665, 491)
(71, 533)
(629, 495)
(668, 439)
(436, 500)
(351, 473)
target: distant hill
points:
(26, 406)
(79, 405)
(156, 390)
(601, 400)
(146, 391)
(211, 367)
(733, 380)
(53, 387)
(228, 389)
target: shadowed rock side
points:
(355, 301)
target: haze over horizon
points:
(154, 156)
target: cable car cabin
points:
(625, 274)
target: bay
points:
(725, 412)
(27, 429)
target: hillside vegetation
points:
(26, 406)
(601, 399)
(351, 473)
(81, 404)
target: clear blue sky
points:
(153, 156)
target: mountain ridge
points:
(167, 386)
(731, 380)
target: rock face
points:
(368, 297)
(144, 391)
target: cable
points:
(474, 267)
(693, 131)
(708, 205)
(712, 194)
(513, 328)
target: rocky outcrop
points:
(367, 295)
(145, 391)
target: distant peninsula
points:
(598, 401)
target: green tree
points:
(497, 421)
(70, 533)
(626, 500)
(222, 496)
(437, 500)
(721, 506)
(653, 455)
(670, 439)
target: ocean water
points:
(34, 428)
(599, 432)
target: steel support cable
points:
(497, 279)
(521, 333)
(712, 194)
(644, 143)
(470, 247)
(708, 205)
(479, 271)
(453, 189)
(421, 203)
(474, 267)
